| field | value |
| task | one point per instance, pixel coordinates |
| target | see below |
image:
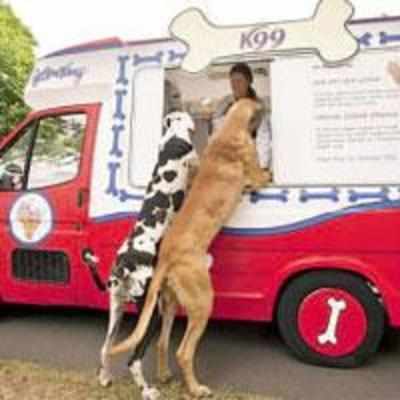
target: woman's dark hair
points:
(245, 70)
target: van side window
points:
(13, 160)
(57, 150)
(46, 152)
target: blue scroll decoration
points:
(381, 195)
(332, 194)
(118, 127)
(125, 196)
(122, 62)
(119, 118)
(385, 38)
(112, 178)
(281, 196)
(365, 39)
(156, 58)
(173, 55)
(115, 151)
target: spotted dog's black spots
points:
(149, 188)
(129, 281)
(169, 176)
(139, 230)
(161, 216)
(177, 199)
(158, 217)
(122, 263)
(125, 262)
(159, 202)
(142, 258)
(129, 260)
(174, 149)
(154, 210)
(167, 124)
(151, 205)
(112, 282)
(155, 172)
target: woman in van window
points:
(241, 80)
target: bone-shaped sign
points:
(325, 33)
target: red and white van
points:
(318, 251)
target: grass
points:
(29, 381)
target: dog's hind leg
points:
(169, 306)
(135, 363)
(194, 293)
(115, 316)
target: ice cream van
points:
(318, 251)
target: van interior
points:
(201, 93)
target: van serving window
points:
(207, 95)
(202, 95)
(146, 124)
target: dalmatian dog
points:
(136, 259)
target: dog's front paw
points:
(248, 188)
(104, 377)
(150, 393)
(258, 181)
(263, 179)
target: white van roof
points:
(86, 73)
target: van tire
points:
(309, 293)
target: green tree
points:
(16, 63)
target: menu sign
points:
(337, 125)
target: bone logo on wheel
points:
(325, 34)
(329, 336)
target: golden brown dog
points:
(228, 166)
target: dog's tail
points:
(144, 319)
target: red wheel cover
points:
(332, 322)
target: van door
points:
(44, 187)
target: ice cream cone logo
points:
(30, 219)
